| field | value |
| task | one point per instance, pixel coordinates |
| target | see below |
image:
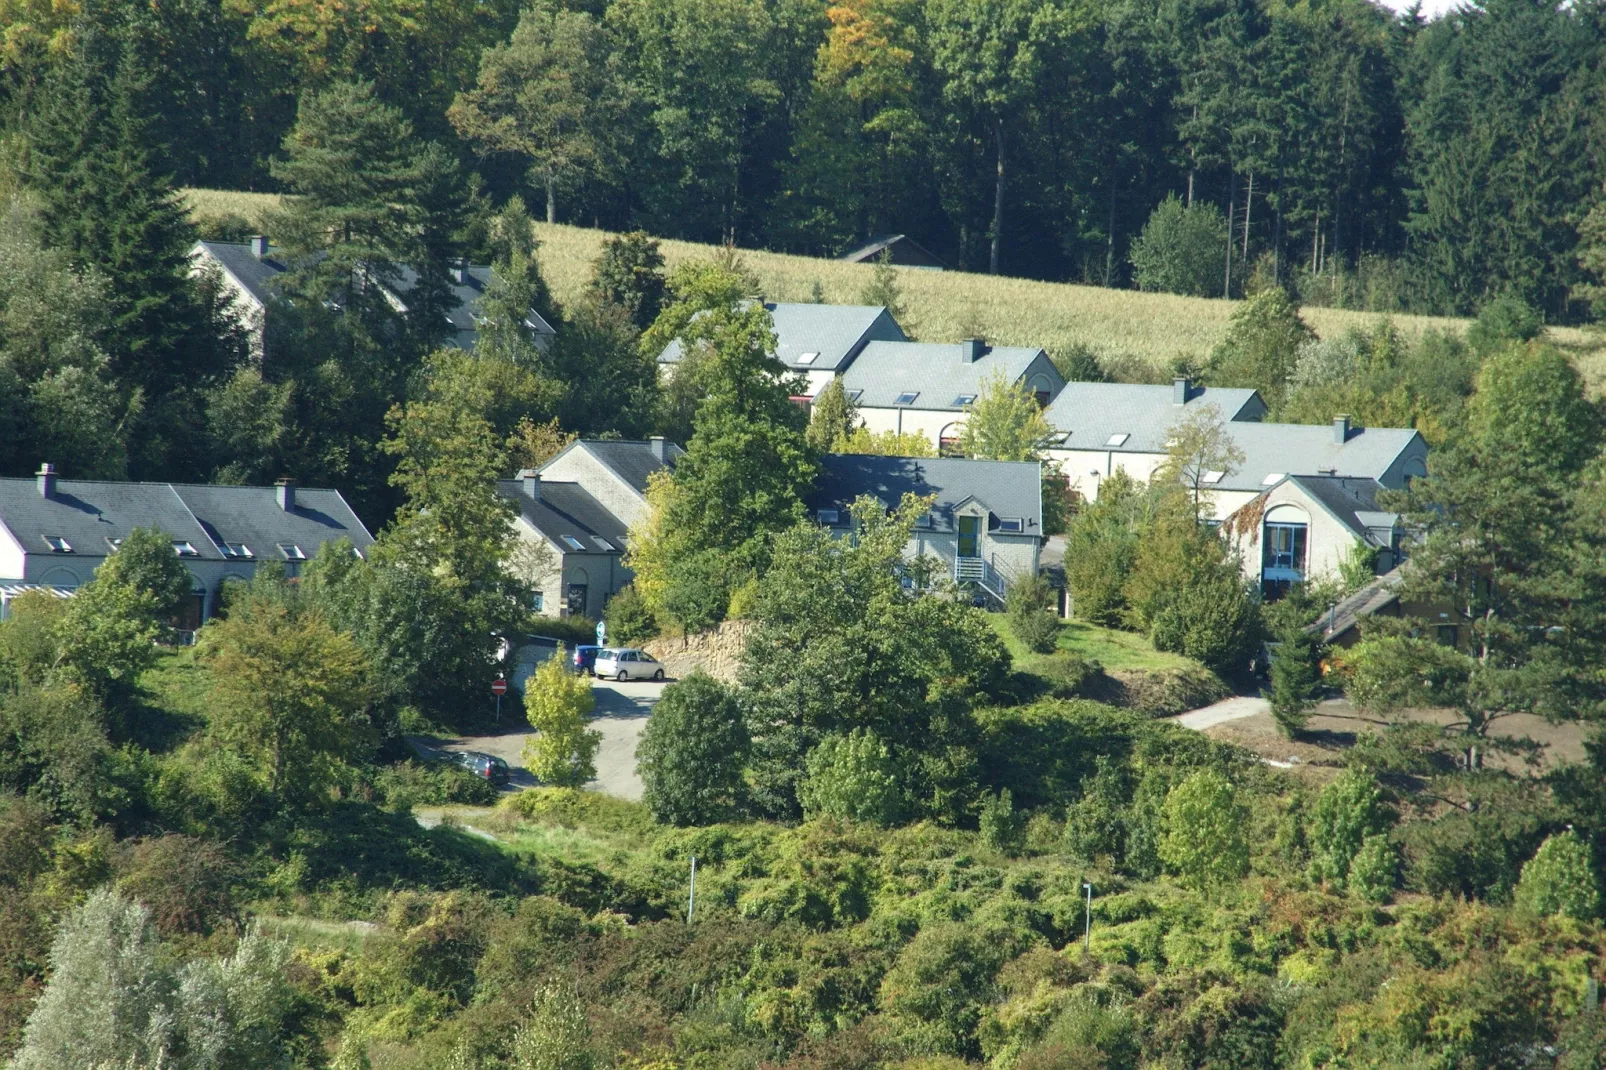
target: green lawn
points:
(1114, 649)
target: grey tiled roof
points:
(1090, 414)
(1353, 501)
(1312, 449)
(567, 509)
(937, 371)
(256, 276)
(836, 332)
(633, 462)
(1375, 597)
(476, 281)
(1006, 488)
(86, 513)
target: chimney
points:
(259, 246)
(1180, 386)
(971, 349)
(660, 448)
(47, 480)
(1341, 428)
(532, 483)
(285, 490)
(460, 272)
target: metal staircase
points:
(980, 572)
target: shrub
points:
(1211, 620)
(573, 631)
(855, 777)
(1204, 826)
(1374, 872)
(1348, 811)
(1003, 828)
(1180, 249)
(412, 783)
(557, 1035)
(1559, 879)
(1029, 608)
(693, 752)
(184, 883)
(563, 752)
(1293, 679)
(630, 619)
(1068, 673)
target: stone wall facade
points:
(718, 652)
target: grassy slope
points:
(1140, 332)
(1115, 650)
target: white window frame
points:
(907, 397)
(1117, 439)
(185, 548)
(292, 551)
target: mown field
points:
(1138, 335)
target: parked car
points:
(584, 658)
(481, 764)
(628, 663)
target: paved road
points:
(1229, 709)
(621, 713)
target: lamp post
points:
(1087, 919)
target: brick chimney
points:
(660, 448)
(285, 491)
(47, 480)
(1180, 386)
(1341, 428)
(532, 483)
(259, 246)
(971, 349)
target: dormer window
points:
(1010, 524)
(238, 550)
(291, 552)
(57, 544)
(1117, 439)
(906, 398)
(830, 517)
(808, 358)
(185, 548)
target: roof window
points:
(602, 544)
(113, 543)
(185, 548)
(808, 358)
(1117, 439)
(964, 399)
(1273, 477)
(855, 395)
(58, 545)
(1215, 475)
(906, 398)
(830, 516)
(1012, 523)
(238, 550)
(291, 552)
(574, 543)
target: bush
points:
(185, 884)
(1348, 811)
(1180, 249)
(853, 777)
(563, 751)
(1374, 873)
(1293, 679)
(412, 783)
(1204, 831)
(693, 752)
(571, 631)
(1559, 879)
(1211, 620)
(630, 619)
(1029, 608)
(1003, 828)
(1068, 673)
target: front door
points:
(970, 536)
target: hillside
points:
(1136, 334)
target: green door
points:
(970, 536)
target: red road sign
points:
(499, 687)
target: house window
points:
(574, 543)
(357, 554)
(1010, 524)
(1283, 556)
(602, 544)
(113, 544)
(830, 517)
(58, 545)
(538, 601)
(808, 358)
(1212, 477)
(964, 399)
(291, 552)
(238, 550)
(185, 548)
(1447, 635)
(1117, 439)
(855, 395)
(906, 398)
(969, 536)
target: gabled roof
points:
(567, 509)
(1312, 449)
(834, 333)
(631, 461)
(1375, 597)
(1090, 415)
(88, 513)
(475, 281)
(905, 251)
(254, 275)
(1353, 502)
(1011, 489)
(937, 373)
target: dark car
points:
(481, 764)
(584, 659)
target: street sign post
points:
(602, 633)
(499, 688)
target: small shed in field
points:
(903, 250)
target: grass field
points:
(1117, 651)
(1137, 334)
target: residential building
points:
(249, 270)
(55, 532)
(927, 388)
(1307, 527)
(985, 527)
(1392, 456)
(1102, 428)
(900, 249)
(574, 518)
(818, 342)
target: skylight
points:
(1117, 439)
(291, 552)
(1274, 477)
(964, 399)
(906, 398)
(855, 395)
(58, 545)
(238, 549)
(185, 548)
(808, 358)
(602, 544)
(574, 543)
(114, 544)
(1215, 475)
(830, 516)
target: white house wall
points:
(1328, 541)
(931, 424)
(11, 556)
(1012, 555)
(578, 465)
(1087, 469)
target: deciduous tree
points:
(563, 750)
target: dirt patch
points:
(717, 653)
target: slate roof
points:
(1006, 488)
(86, 513)
(631, 461)
(937, 371)
(1375, 597)
(835, 332)
(1090, 414)
(256, 276)
(567, 509)
(476, 281)
(1353, 501)
(1312, 449)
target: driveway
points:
(620, 715)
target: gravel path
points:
(1229, 709)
